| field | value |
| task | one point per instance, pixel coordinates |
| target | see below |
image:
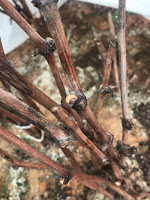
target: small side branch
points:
(18, 163)
(72, 160)
(107, 69)
(95, 186)
(113, 35)
(12, 118)
(11, 138)
(39, 166)
(26, 9)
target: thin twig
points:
(97, 187)
(18, 163)
(23, 85)
(11, 138)
(113, 34)
(93, 122)
(56, 74)
(26, 9)
(107, 69)
(72, 160)
(39, 166)
(25, 97)
(12, 118)
(2, 54)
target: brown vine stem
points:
(70, 123)
(100, 180)
(121, 28)
(56, 74)
(12, 118)
(55, 27)
(18, 163)
(11, 138)
(26, 98)
(45, 50)
(107, 69)
(45, 47)
(72, 160)
(23, 85)
(52, 16)
(28, 90)
(97, 187)
(63, 171)
(39, 166)
(113, 34)
(14, 105)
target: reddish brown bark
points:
(107, 69)
(121, 28)
(11, 138)
(71, 124)
(55, 27)
(14, 105)
(18, 163)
